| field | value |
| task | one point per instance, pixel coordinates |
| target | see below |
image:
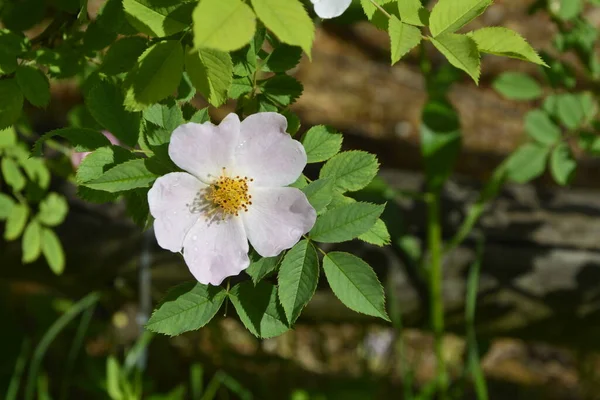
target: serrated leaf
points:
(53, 251)
(156, 75)
(321, 143)
(240, 87)
(168, 116)
(351, 170)
(258, 309)
(261, 268)
(129, 175)
(16, 221)
(288, 20)
(527, 162)
(158, 17)
(200, 116)
(34, 85)
(505, 42)
(186, 307)
(37, 172)
(282, 89)
(319, 193)
(293, 122)
(224, 25)
(82, 138)
(12, 174)
(370, 9)
(211, 73)
(186, 90)
(298, 278)
(6, 205)
(345, 222)
(355, 283)
(31, 244)
(123, 54)
(540, 127)
(517, 86)
(338, 199)
(562, 164)
(378, 235)
(461, 51)
(403, 38)
(99, 161)
(412, 12)
(447, 16)
(11, 102)
(53, 210)
(105, 102)
(283, 58)
(8, 137)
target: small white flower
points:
(330, 8)
(234, 191)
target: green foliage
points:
(34, 84)
(562, 164)
(527, 162)
(53, 210)
(282, 90)
(517, 86)
(158, 17)
(319, 193)
(461, 51)
(210, 72)
(351, 170)
(6, 205)
(540, 127)
(12, 174)
(412, 12)
(321, 143)
(11, 102)
(263, 267)
(122, 56)
(505, 42)
(447, 16)
(186, 307)
(258, 309)
(345, 222)
(354, 282)
(32, 242)
(53, 251)
(403, 37)
(16, 221)
(378, 235)
(128, 175)
(82, 138)
(224, 25)
(298, 278)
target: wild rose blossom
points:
(234, 191)
(330, 8)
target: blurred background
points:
(79, 335)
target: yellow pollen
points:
(229, 195)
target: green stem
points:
(434, 238)
(381, 9)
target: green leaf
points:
(32, 242)
(345, 222)
(298, 278)
(293, 121)
(167, 116)
(319, 193)
(8, 61)
(16, 221)
(540, 127)
(156, 76)
(283, 58)
(282, 89)
(99, 161)
(186, 90)
(505, 42)
(211, 73)
(461, 51)
(321, 143)
(53, 251)
(562, 164)
(378, 235)
(403, 38)
(258, 309)
(224, 25)
(440, 141)
(354, 282)
(517, 86)
(158, 17)
(82, 138)
(527, 162)
(566, 9)
(448, 16)
(569, 110)
(413, 13)
(136, 206)
(34, 85)
(12, 174)
(351, 170)
(11, 102)
(6, 205)
(370, 9)
(98, 36)
(288, 20)
(105, 103)
(261, 268)
(186, 307)
(53, 210)
(200, 116)
(8, 137)
(125, 176)
(123, 54)
(240, 87)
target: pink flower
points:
(234, 191)
(77, 158)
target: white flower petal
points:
(216, 249)
(277, 219)
(267, 153)
(169, 200)
(330, 8)
(204, 149)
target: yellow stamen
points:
(228, 195)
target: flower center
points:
(229, 195)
